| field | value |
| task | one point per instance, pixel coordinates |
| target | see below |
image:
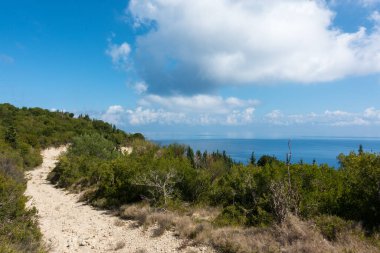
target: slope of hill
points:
(266, 206)
(70, 226)
(23, 133)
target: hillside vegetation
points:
(23, 133)
(293, 207)
(265, 206)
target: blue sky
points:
(219, 68)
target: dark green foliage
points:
(231, 216)
(18, 228)
(190, 155)
(136, 136)
(41, 128)
(248, 194)
(10, 136)
(85, 161)
(23, 132)
(360, 199)
(93, 146)
(252, 159)
(332, 226)
(360, 151)
(267, 160)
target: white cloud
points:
(368, 3)
(197, 45)
(143, 116)
(356, 121)
(372, 113)
(114, 114)
(197, 103)
(140, 87)
(369, 116)
(195, 110)
(276, 117)
(375, 16)
(187, 114)
(337, 113)
(119, 53)
(240, 117)
(115, 109)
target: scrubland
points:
(204, 198)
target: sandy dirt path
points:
(72, 226)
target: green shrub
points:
(23, 132)
(360, 198)
(18, 228)
(332, 226)
(231, 216)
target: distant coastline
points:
(323, 150)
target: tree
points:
(11, 136)
(160, 183)
(361, 151)
(360, 199)
(252, 159)
(190, 155)
(266, 159)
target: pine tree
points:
(190, 155)
(252, 159)
(361, 151)
(11, 136)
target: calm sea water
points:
(322, 150)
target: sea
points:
(323, 151)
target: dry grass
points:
(356, 242)
(88, 194)
(205, 214)
(185, 227)
(118, 223)
(138, 213)
(163, 220)
(293, 235)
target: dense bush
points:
(254, 194)
(18, 227)
(360, 198)
(332, 226)
(23, 133)
(258, 194)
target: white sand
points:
(72, 226)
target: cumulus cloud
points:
(372, 113)
(240, 117)
(196, 110)
(368, 3)
(369, 116)
(114, 114)
(197, 45)
(375, 16)
(197, 103)
(140, 87)
(144, 116)
(119, 54)
(156, 111)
